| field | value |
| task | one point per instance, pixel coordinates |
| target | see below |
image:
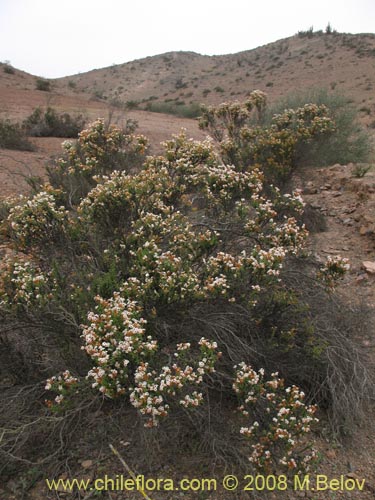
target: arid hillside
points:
(181, 80)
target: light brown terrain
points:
(345, 63)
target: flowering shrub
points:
(98, 150)
(278, 439)
(157, 260)
(36, 221)
(64, 385)
(333, 270)
(114, 338)
(151, 388)
(22, 283)
(248, 145)
(165, 257)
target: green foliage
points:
(329, 29)
(348, 143)
(174, 108)
(132, 104)
(99, 150)
(42, 84)
(247, 140)
(12, 136)
(50, 123)
(361, 170)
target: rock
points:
(360, 279)
(337, 166)
(369, 266)
(308, 190)
(365, 231)
(331, 454)
(349, 210)
(316, 206)
(86, 464)
(353, 475)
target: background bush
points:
(171, 108)
(100, 150)
(8, 69)
(42, 84)
(49, 123)
(12, 136)
(349, 143)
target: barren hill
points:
(341, 62)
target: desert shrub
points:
(174, 287)
(306, 33)
(42, 84)
(12, 136)
(132, 104)
(100, 149)
(246, 140)
(349, 142)
(180, 84)
(24, 284)
(275, 406)
(8, 69)
(50, 123)
(360, 170)
(37, 220)
(175, 108)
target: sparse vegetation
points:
(348, 143)
(8, 69)
(12, 136)
(178, 108)
(361, 170)
(42, 84)
(132, 104)
(308, 33)
(49, 123)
